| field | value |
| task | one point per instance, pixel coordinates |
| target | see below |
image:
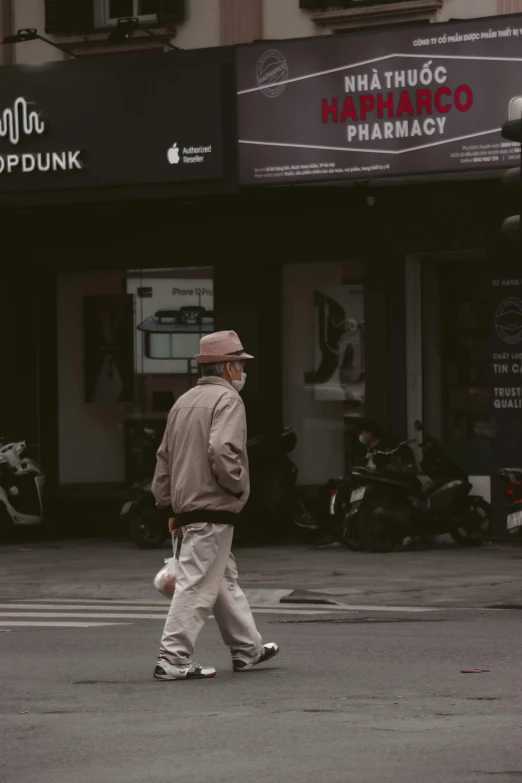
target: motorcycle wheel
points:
(301, 516)
(376, 535)
(349, 528)
(145, 531)
(474, 526)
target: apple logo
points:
(173, 154)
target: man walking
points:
(202, 472)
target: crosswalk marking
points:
(162, 609)
(34, 623)
(143, 603)
(159, 607)
(156, 606)
(97, 613)
(109, 607)
(137, 615)
(397, 609)
(89, 615)
(90, 601)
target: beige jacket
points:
(202, 463)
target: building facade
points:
(83, 26)
(355, 297)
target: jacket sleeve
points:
(161, 481)
(227, 446)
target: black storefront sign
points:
(506, 380)
(387, 103)
(160, 120)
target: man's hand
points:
(174, 528)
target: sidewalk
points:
(115, 569)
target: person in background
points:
(202, 476)
(372, 437)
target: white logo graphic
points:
(272, 73)
(20, 120)
(173, 154)
(508, 320)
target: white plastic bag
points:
(165, 579)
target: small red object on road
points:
(474, 671)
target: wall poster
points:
(171, 315)
(339, 347)
(506, 375)
(108, 349)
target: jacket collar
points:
(215, 381)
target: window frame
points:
(103, 20)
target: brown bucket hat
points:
(221, 347)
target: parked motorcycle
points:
(511, 478)
(22, 483)
(378, 507)
(274, 509)
(345, 494)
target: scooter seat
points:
(362, 473)
(396, 480)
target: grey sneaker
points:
(270, 651)
(166, 671)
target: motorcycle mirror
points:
(418, 426)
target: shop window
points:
(148, 11)
(144, 10)
(126, 346)
(82, 17)
(324, 365)
(63, 17)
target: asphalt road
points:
(116, 569)
(358, 697)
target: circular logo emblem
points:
(272, 73)
(508, 320)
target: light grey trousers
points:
(206, 583)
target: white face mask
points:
(239, 385)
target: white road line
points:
(370, 608)
(143, 604)
(108, 602)
(89, 607)
(157, 606)
(116, 607)
(97, 615)
(36, 624)
(139, 616)
(279, 610)
(299, 607)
